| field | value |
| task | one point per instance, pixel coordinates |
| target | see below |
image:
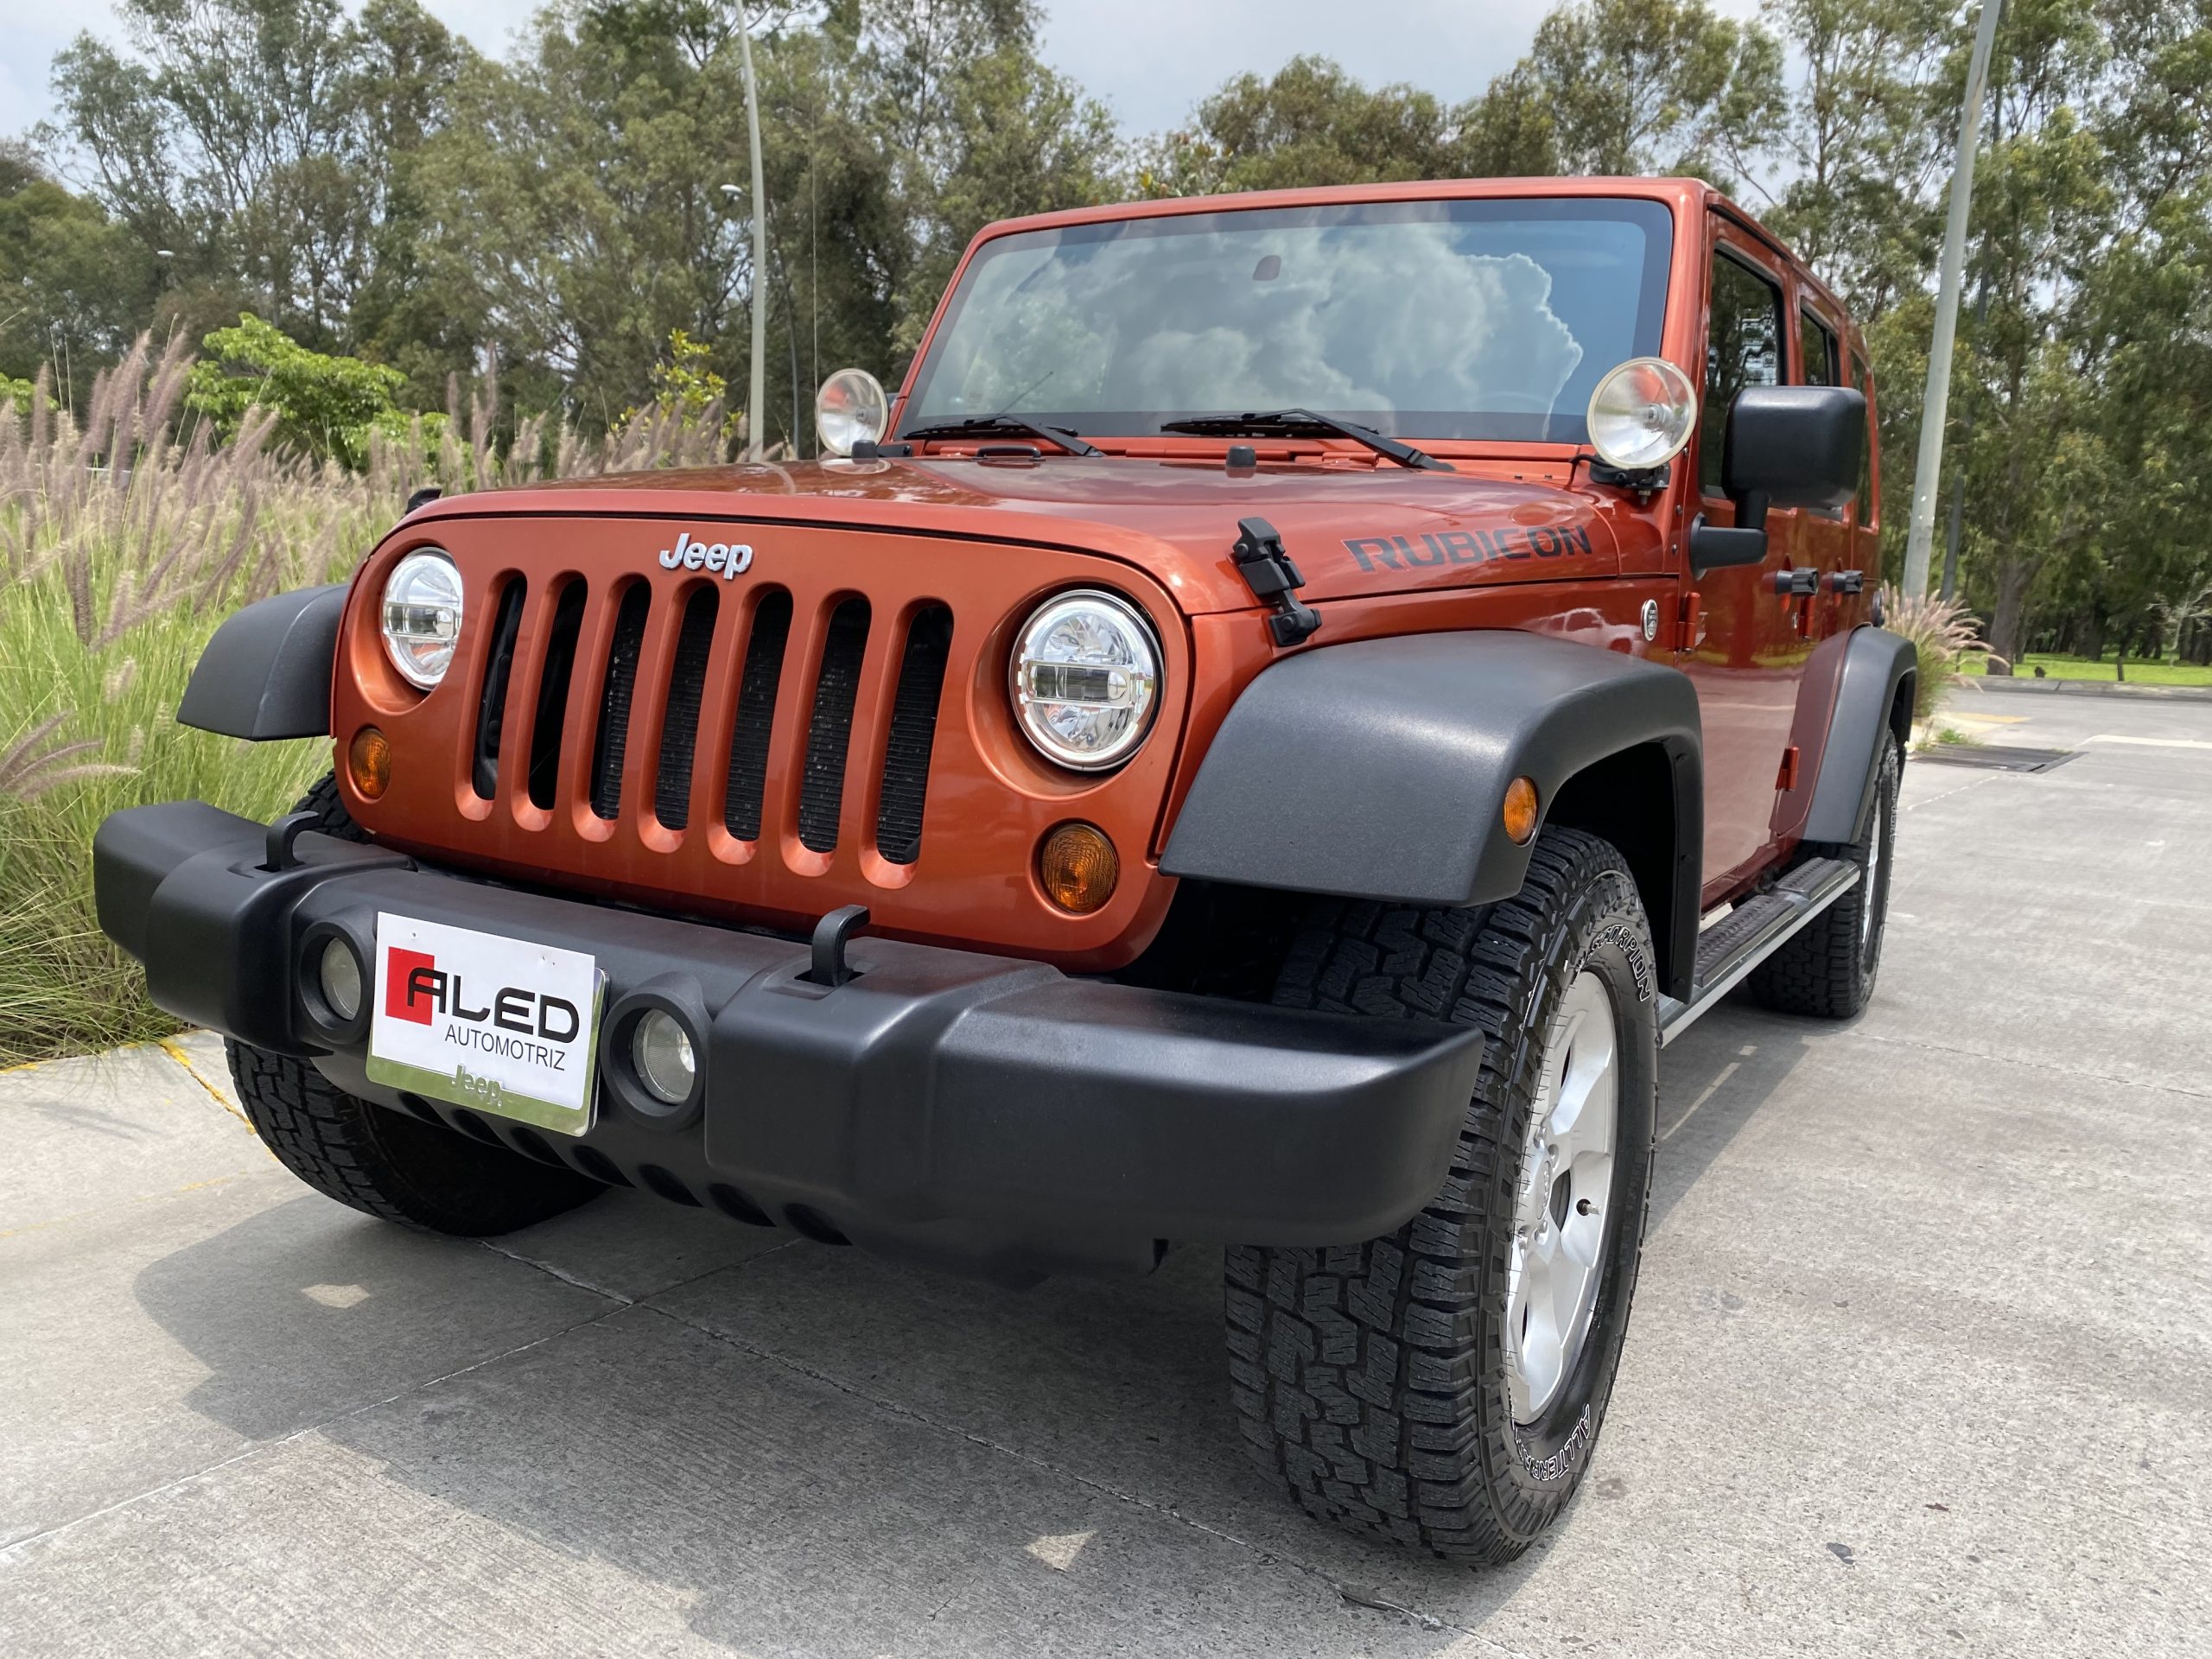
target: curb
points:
(2087, 689)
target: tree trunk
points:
(2014, 577)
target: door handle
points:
(1847, 581)
(1803, 579)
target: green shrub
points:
(324, 406)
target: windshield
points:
(1490, 319)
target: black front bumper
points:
(980, 1111)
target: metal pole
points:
(756, 390)
(1935, 405)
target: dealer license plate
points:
(498, 1024)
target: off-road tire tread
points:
(417, 1174)
(1353, 1368)
(420, 1175)
(331, 818)
(1819, 970)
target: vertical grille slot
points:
(553, 695)
(491, 712)
(756, 716)
(679, 728)
(823, 786)
(913, 732)
(620, 687)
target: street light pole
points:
(756, 389)
(1934, 409)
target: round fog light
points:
(660, 1049)
(340, 974)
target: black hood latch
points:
(1270, 574)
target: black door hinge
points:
(1271, 575)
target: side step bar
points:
(1751, 932)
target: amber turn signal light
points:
(368, 762)
(1520, 813)
(1079, 866)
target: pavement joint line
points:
(562, 1274)
(1960, 788)
(14, 1554)
(175, 1050)
(2035, 1065)
(1350, 1594)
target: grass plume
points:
(125, 537)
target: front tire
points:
(1443, 1387)
(390, 1167)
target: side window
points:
(1743, 349)
(1816, 342)
(1863, 509)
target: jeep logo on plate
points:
(728, 560)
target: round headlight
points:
(421, 616)
(1642, 414)
(850, 409)
(1086, 676)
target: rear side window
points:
(1861, 381)
(1816, 342)
(1743, 349)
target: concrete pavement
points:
(1919, 1363)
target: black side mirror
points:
(1788, 446)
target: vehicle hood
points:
(1353, 531)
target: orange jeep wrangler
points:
(1262, 741)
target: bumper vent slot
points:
(491, 711)
(553, 695)
(828, 736)
(679, 729)
(913, 732)
(756, 716)
(621, 686)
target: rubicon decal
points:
(499, 1023)
(728, 560)
(1375, 553)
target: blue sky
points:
(1149, 60)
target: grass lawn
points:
(2081, 668)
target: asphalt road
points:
(1921, 1360)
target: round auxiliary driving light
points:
(421, 616)
(339, 972)
(1086, 680)
(850, 409)
(660, 1049)
(1642, 414)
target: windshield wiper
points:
(1065, 436)
(1306, 424)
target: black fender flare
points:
(1873, 702)
(1378, 770)
(266, 673)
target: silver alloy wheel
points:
(1566, 1178)
(1866, 881)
